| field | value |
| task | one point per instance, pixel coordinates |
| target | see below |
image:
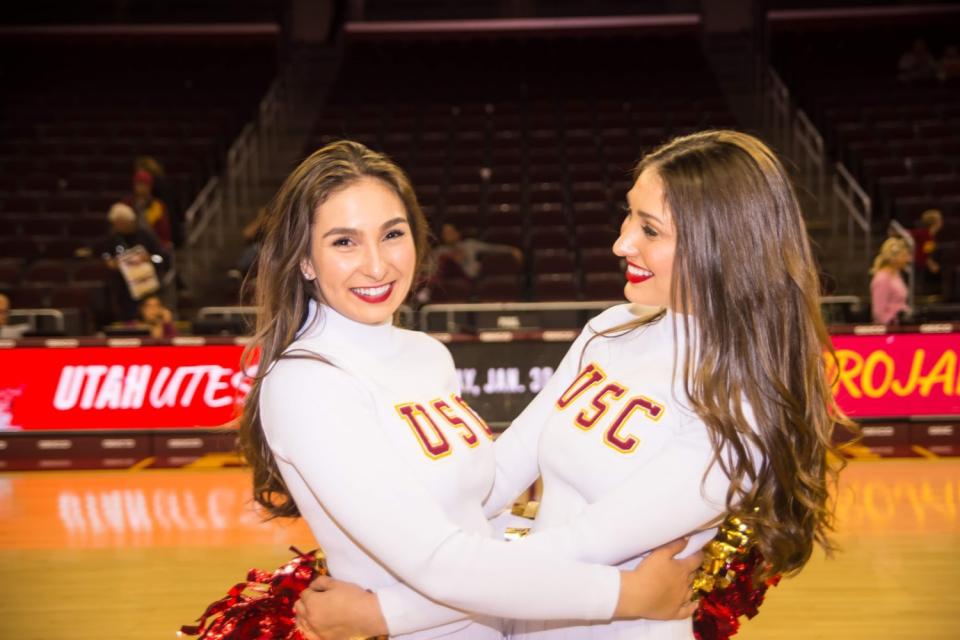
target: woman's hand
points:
(334, 610)
(660, 587)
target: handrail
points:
(853, 301)
(451, 308)
(31, 316)
(206, 234)
(405, 312)
(199, 204)
(808, 144)
(777, 109)
(858, 204)
(226, 311)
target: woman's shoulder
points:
(424, 344)
(617, 315)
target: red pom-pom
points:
(717, 617)
(262, 607)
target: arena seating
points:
(72, 121)
(900, 139)
(525, 143)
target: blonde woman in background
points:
(888, 291)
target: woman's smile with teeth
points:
(637, 274)
(373, 294)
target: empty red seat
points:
(555, 287)
(545, 193)
(28, 297)
(20, 204)
(600, 260)
(510, 235)
(555, 237)
(504, 194)
(92, 270)
(553, 261)
(62, 247)
(451, 290)
(603, 286)
(582, 192)
(20, 248)
(499, 264)
(9, 275)
(76, 296)
(595, 236)
(546, 214)
(45, 271)
(499, 289)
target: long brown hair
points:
(744, 273)
(282, 293)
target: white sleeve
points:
(324, 425)
(655, 505)
(664, 499)
(407, 611)
(517, 447)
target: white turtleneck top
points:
(624, 462)
(390, 469)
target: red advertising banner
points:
(151, 387)
(897, 374)
(120, 387)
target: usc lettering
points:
(609, 395)
(431, 439)
(586, 422)
(456, 422)
(429, 435)
(473, 414)
(589, 377)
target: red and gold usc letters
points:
(429, 435)
(607, 396)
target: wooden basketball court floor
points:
(106, 555)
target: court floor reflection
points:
(121, 554)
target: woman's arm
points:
(335, 610)
(324, 424)
(665, 498)
(517, 448)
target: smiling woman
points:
(362, 256)
(360, 427)
(647, 241)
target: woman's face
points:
(902, 259)
(648, 242)
(362, 253)
(151, 308)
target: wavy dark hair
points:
(744, 271)
(282, 293)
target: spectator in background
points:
(8, 330)
(151, 211)
(164, 192)
(459, 256)
(950, 64)
(917, 64)
(157, 318)
(926, 258)
(126, 234)
(888, 291)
